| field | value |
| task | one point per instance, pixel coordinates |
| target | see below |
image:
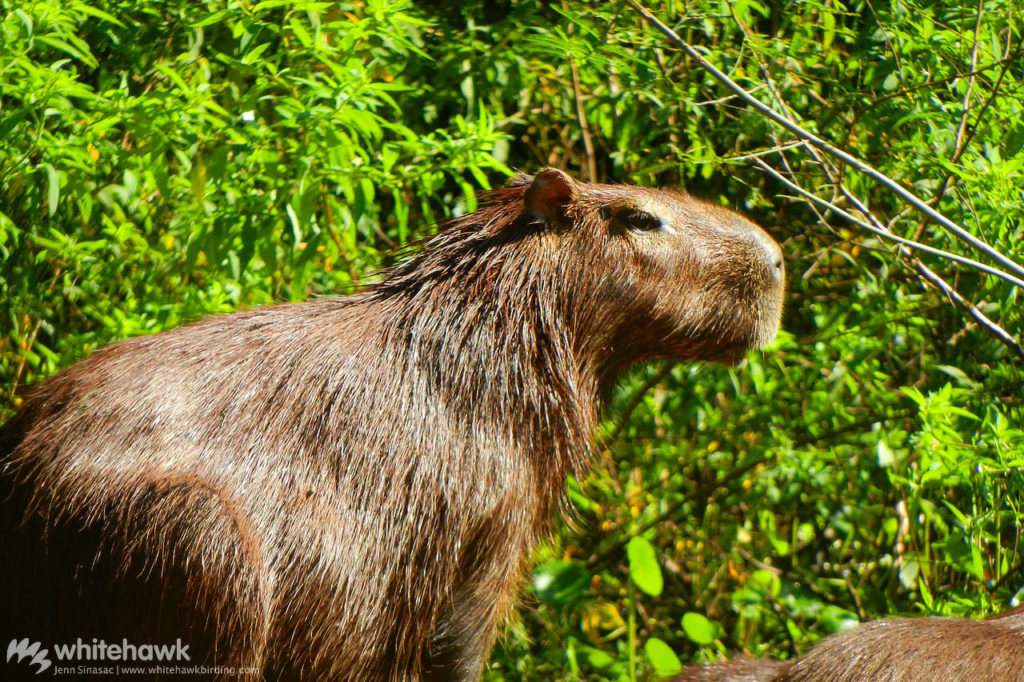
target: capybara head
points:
(637, 273)
(686, 278)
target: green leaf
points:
(908, 573)
(53, 188)
(886, 458)
(836, 619)
(577, 496)
(598, 659)
(643, 566)
(80, 51)
(25, 19)
(699, 629)
(172, 74)
(662, 658)
(98, 14)
(300, 32)
(214, 18)
(7, 125)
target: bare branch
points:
(588, 145)
(763, 152)
(885, 233)
(821, 144)
(930, 275)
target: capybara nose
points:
(772, 252)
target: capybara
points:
(896, 650)
(350, 488)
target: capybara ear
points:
(549, 193)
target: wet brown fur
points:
(897, 650)
(350, 488)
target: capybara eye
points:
(641, 221)
(603, 213)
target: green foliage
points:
(662, 658)
(160, 162)
(560, 582)
(643, 566)
(699, 629)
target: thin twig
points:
(764, 152)
(588, 145)
(722, 100)
(961, 129)
(965, 134)
(994, 328)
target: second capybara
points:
(895, 650)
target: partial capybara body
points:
(896, 650)
(739, 669)
(349, 489)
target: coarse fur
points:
(896, 650)
(350, 488)
(739, 669)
